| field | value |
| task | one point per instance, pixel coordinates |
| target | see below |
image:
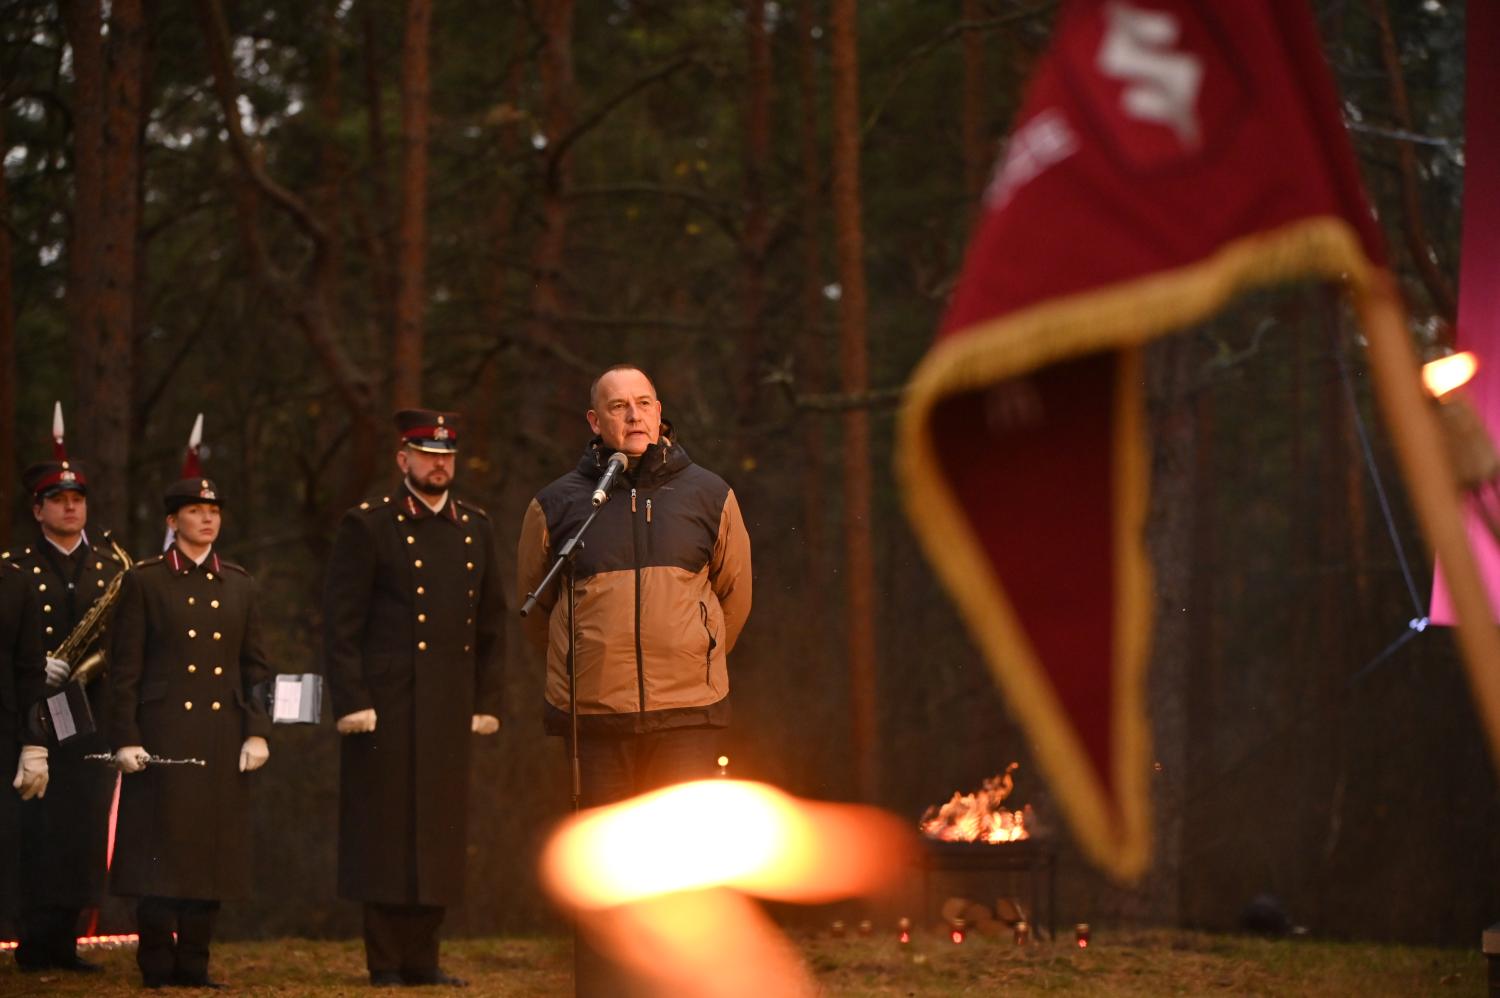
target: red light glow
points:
(1443, 375)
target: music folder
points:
(63, 716)
(293, 698)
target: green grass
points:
(1126, 964)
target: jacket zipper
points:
(713, 642)
(635, 544)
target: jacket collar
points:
(181, 564)
(415, 508)
(660, 461)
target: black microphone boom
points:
(618, 462)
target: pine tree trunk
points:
(7, 357)
(558, 113)
(975, 142)
(859, 569)
(107, 115)
(757, 161)
(411, 254)
(811, 355)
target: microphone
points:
(618, 462)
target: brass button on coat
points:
(215, 705)
(218, 670)
(421, 646)
(187, 705)
(192, 633)
(192, 668)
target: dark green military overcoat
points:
(22, 683)
(64, 835)
(185, 652)
(412, 622)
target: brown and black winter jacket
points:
(661, 594)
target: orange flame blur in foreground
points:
(978, 817)
(656, 881)
(1443, 375)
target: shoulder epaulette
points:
(471, 507)
(148, 562)
(231, 565)
(372, 504)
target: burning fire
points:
(980, 816)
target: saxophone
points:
(88, 629)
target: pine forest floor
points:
(1137, 963)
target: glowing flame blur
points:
(1443, 375)
(655, 881)
(978, 817)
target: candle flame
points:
(1443, 375)
(658, 882)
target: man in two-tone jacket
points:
(661, 590)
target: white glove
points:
(484, 724)
(253, 754)
(57, 671)
(131, 759)
(358, 723)
(31, 773)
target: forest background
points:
(297, 216)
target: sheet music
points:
(62, 716)
(288, 703)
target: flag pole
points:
(1434, 491)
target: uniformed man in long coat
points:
(186, 653)
(412, 623)
(21, 685)
(64, 835)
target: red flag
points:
(1169, 155)
(1479, 274)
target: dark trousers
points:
(185, 960)
(617, 767)
(49, 936)
(402, 938)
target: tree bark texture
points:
(101, 267)
(811, 356)
(559, 111)
(757, 162)
(859, 567)
(1418, 242)
(411, 255)
(7, 354)
(975, 102)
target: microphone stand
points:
(564, 557)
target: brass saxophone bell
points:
(86, 671)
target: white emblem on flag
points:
(1163, 84)
(1043, 141)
